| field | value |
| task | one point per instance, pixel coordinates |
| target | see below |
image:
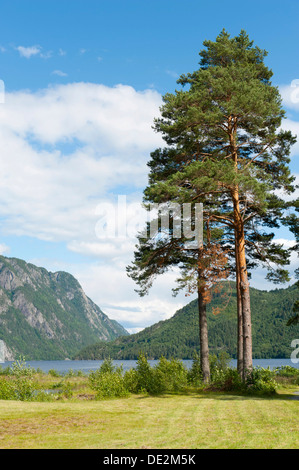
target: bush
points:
(20, 369)
(17, 388)
(53, 373)
(194, 374)
(131, 381)
(218, 368)
(21, 385)
(287, 371)
(7, 389)
(287, 375)
(261, 381)
(108, 381)
(172, 374)
(149, 380)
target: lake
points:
(87, 366)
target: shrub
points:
(218, 368)
(66, 390)
(53, 373)
(261, 381)
(24, 388)
(110, 385)
(172, 374)
(19, 388)
(287, 375)
(131, 381)
(7, 389)
(108, 381)
(194, 374)
(20, 369)
(149, 380)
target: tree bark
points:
(244, 292)
(203, 336)
(241, 268)
(240, 320)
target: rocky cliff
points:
(47, 316)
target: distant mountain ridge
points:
(178, 337)
(47, 316)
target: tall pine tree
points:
(225, 150)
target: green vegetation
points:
(165, 406)
(22, 382)
(178, 337)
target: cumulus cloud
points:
(28, 52)
(110, 287)
(68, 150)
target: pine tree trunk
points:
(240, 321)
(241, 268)
(244, 293)
(203, 336)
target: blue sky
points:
(83, 83)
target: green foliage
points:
(7, 389)
(194, 375)
(260, 381)
(20, 368)
(287, 371)
(224, 378)
(166, 376)
(148, 379)
(178, 337)
(108, 381)
(53, 373)
(173, 374)
(219, 365)
(287, 375)
(20, 384)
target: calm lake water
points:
(87, 366)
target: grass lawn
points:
(190, 421)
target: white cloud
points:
(28, 51)
(68, 148)
(110, 287)
(290, 94)
(59, 73)
(4, 249)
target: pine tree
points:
(225, 150)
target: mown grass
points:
(172, 421)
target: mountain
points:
(178, 337)
(47, 316)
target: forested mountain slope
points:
(179, 336)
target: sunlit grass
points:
(192, 421)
